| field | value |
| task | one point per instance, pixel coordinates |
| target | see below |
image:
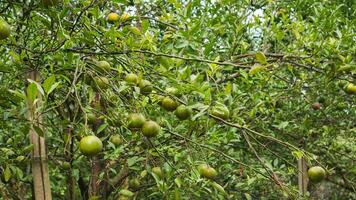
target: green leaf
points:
(248, 196)
(127, 193)
(38, 86)
(7, 173)
(218, 187)
(101, 128)
(31, 92)
(38, 130)
(48, 83)
(256, 68)
(261, 58)
(178, 181)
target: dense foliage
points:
(264, 83)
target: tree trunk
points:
(41, 183)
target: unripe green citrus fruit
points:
(183, 112)
(150, 129)
(131, 79)
(135, 120)
(207, 171)
(66, 165)
(5, 29)
(103, 66)
(90, 145)
(316, 174)
(116, 140)
(101, 82)
(220, 111)
(350, 88)
(145, 87)
(169, 104)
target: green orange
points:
(207, 172)
(5, 29)
(316, 174)
(135, 120)
(150, 129)
(183, 112)
(90, 145)
(145, 87)
(220, 111)
(350, 88)
(115, 139)
(169, 104)
(131, 79)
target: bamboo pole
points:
(41, 183)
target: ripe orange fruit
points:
(101, 82)
(183, 112)
(90, 145)
(116, 140)
(169, 104)
(131, 79)
(316, 174)
(207, 171)
(113, 17)
(158, 171)
(135, 120)
(316, 106)
(220, 111)
(145, 87)
(103, 66)
(350, 88)
(150, 129)
(5, 29)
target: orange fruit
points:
(173, 91)
(90, 145)
(66, 165)
(135, 120)
(101, 82)
(145, 87)
(316, 174)
(350, 88)
(124, 17)
(131, 79)
(5, 29)
(183, 112)
(116, 140)
(220, 111)
(150, 129)
(103, 66)
(169, 104)
(207, 171)
(113, 17)
(91, 118)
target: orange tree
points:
(176, 99)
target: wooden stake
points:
(41, 183)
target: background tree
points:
(185, 99)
